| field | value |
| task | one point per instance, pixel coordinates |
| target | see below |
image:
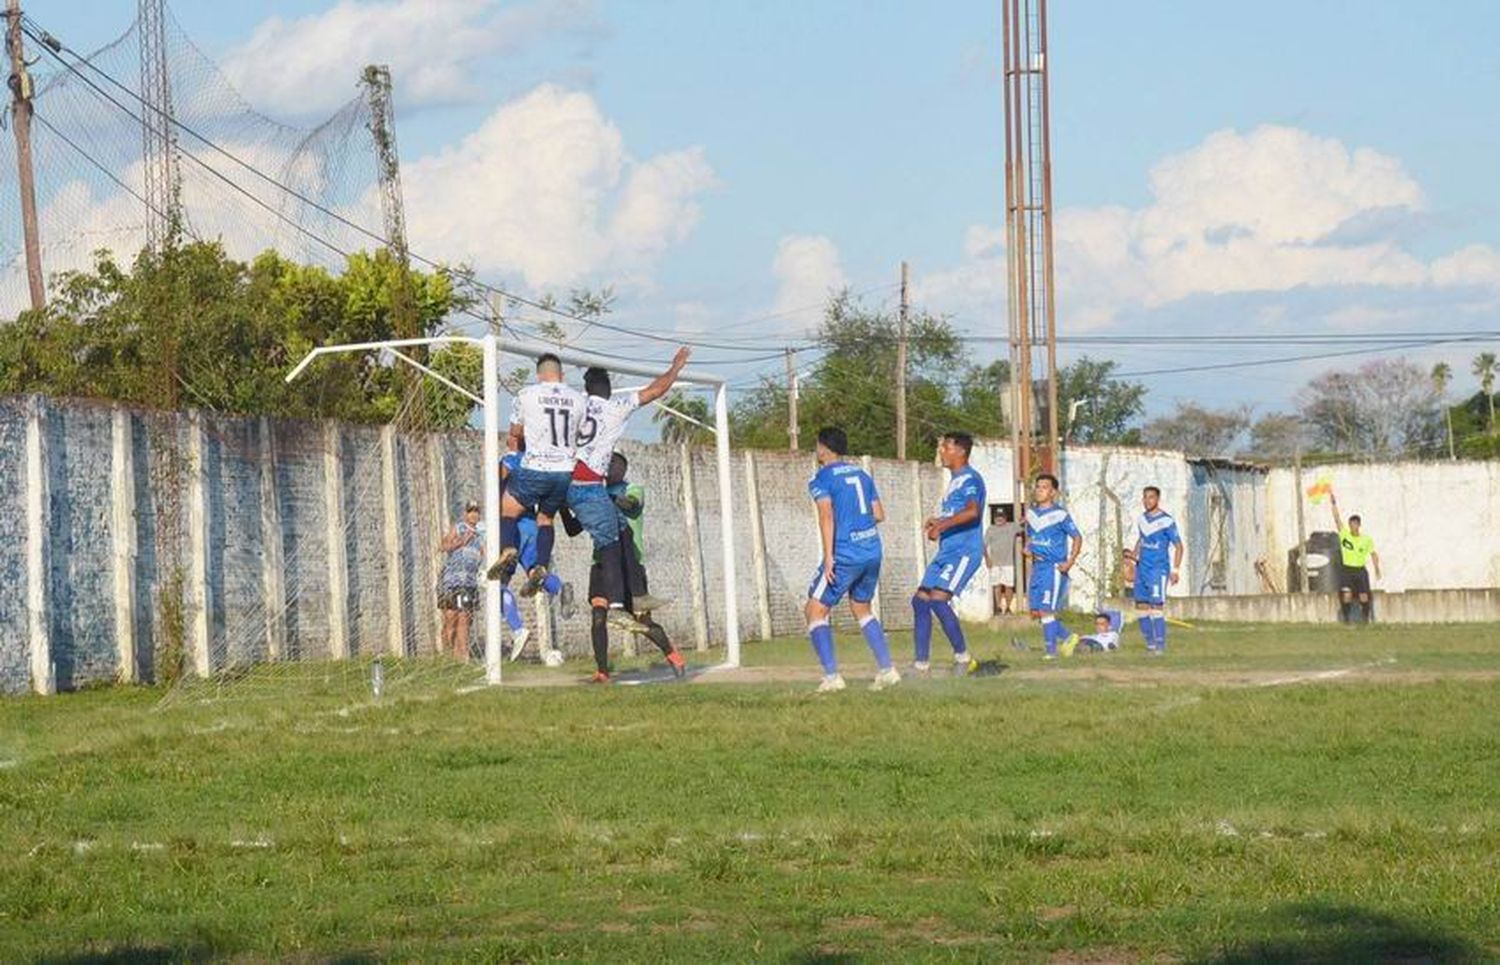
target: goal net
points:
(348, 560)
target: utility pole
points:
(20, 89)
(162, 183)
(377, 83)
(791, 399)
(901, 364)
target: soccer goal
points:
(494, 425)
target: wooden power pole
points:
(20, 89)
(901, 363)
(791, 400)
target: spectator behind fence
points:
(458, 590)
(1000, 556)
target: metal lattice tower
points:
(377, 83)
(163, 188)
(1028, 236)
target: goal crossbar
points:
(489, 404)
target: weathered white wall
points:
(1436, 524)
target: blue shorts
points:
(856, 579)
(1151, 587)
(952, 569)
(596, 511)
(544, 492)
(1047, 590)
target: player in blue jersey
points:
(959, 531)
(552, 585)
(1053, 542)
(1158, 561)
(849, 517)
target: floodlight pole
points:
(490, 474)
(726, 537)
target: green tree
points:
(1198, 430)
(1109, 409)
(1442, 375)
(676, 430)
(852, 384)
(1485, 368)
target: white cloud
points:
(1273, 210)
(310, 64)
(545, 188)
(807, 269)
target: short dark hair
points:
(835, 439)
(547, 358)
(1050, 478)
(624, 463)
(471, 507)
(1355, 519)
(1152, 489)
(596, 381)
(962, 440)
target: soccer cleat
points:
(566, 601)
(535, 577)
(965, 666)
(921, 668)
(886, 679)
(507, 558)
(831, 685)
(679, 665)
(600, 677)
(646, 603)
(622, 619)
(1067, 647)
(1049, 656)
(518, 642)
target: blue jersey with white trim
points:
(852, 493)
(965, 487)
(1049, 533)
(1158, 534)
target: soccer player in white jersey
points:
(543, 421)
(1158, 561)
(604, 418)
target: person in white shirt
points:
(543, 422)
(605, 417)
(1104, 638)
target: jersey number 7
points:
(859, 491)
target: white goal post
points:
(489, 404)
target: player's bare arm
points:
(825, 531)
(1333, 505)
(1065, 566)
(1176, 564)
(937, 526)
(516, 438)
(660, 385)
(879, 510)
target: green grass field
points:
(1260, 794)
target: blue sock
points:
(1049, 634)
(512, 612)
(552, 584)
(875, 637)
(544, 538)
(1148, 630)
(510, 532)
(921, 628)
(821, 635)
(954, 630)
(1161, 632)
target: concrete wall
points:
(302, 540)
(1413, 606)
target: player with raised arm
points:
(543, 420)
(1158, 563)
(1053, 542)
(553, 585)
(604, 418)
(849, 517)
(959, 531)
(1355, 547)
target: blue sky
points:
(724, 161)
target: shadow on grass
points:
(1322, 932)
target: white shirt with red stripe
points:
(601, 428)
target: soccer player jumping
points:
(1158, 561)
(542, 422)
(959, 531)
(849, 514)
(1053, 542)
